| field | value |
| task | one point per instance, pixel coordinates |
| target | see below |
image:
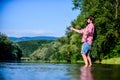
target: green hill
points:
(28, 47)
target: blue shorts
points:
(86, 47)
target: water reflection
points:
(86, 73)
(36, 71)
(45, 71)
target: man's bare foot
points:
(90, 65)
(85, 65)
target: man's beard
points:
(87, 23)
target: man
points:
(87, 38)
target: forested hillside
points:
(9, 50)
(28, 47)
(106, 38)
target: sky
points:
(20, 18)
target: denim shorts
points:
(86, 47)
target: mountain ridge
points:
(16, 39)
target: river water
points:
(51, 71)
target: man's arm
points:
(76, 30)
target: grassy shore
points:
(111, 61)
(104, 61)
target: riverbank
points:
(104, 61)
(111, 61)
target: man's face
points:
(88, 21)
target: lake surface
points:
(50, 71)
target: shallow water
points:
(50, 71)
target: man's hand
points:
(71, 28)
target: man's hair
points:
(91, 18)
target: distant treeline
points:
(15, 39)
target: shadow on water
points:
(45, 71)
(100, 72)
(106, 72)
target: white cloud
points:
(30, 33)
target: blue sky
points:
(20, 18)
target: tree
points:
(106, 23)
(8, 49)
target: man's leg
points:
(85, 59)
(89, 60)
